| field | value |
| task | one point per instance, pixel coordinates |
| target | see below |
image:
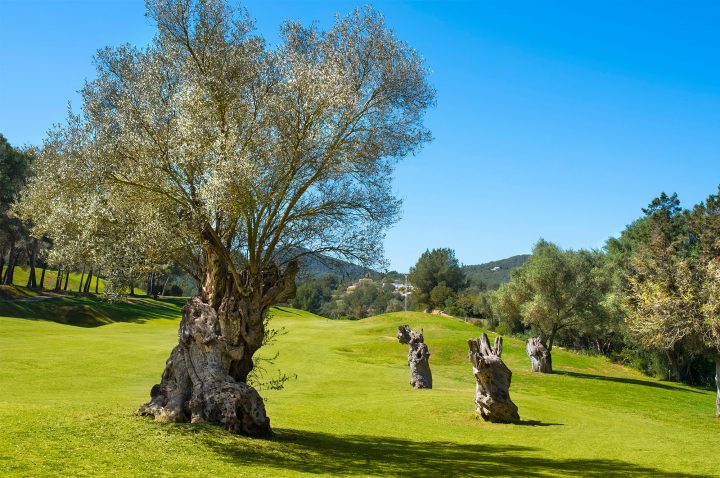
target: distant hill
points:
(310, 266)
(320, 265)
(492, 274)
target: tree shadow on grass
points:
(536, 423)
(344, 455)
(630, 381)
(91, 312)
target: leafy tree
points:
(231, 158)
(438, 267)
(673, 282)
(555, 290)
(313, 292)
(14, 239)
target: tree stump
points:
(196, 385)
(418, 357)
(205, 378)
(539, 355)
(492, 376)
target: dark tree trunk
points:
(8, 278)
(205, 378)
(32, 279)
(418, 357)
(539, 355)
(42, 276)
(67, 278)
(153, 287)
(132, 287)
(82, 279)
(13, 263)
(88, 281)
(58, 280)
(492, 377)
(97, 281)
(2, 263)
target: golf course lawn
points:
(68, 396)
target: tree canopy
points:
(671, 281)
(554, 290)
(436, 276)
(208, 138)
(232, 159)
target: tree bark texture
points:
(539, 355)
(418, 357)
(492, 377)
(205, 377)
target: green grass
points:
(68, 396)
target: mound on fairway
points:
(68, 396)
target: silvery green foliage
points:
(209, 136)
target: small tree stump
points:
(492, 390)
(418, 357)
(539, 355)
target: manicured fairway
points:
(68, 396)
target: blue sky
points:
(554, 119)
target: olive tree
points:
(555, 290)
(238, 158)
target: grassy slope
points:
(69, 393)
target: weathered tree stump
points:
(492, 376)
(539, 355)
(205, 378)
(196, 385)
(418, 357)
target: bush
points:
(503, 329)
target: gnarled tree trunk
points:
(418, 357)
(539, 355)
(205, 377)
(492, 377)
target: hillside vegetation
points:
(484, 273)
(69, 395)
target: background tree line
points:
(49, 263)
(649, 298)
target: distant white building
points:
(496, 268)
